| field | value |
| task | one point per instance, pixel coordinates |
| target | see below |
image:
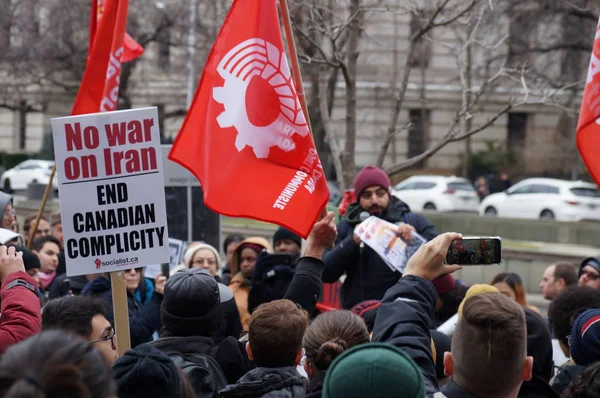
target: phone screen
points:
(475, 251)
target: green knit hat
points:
(373, 370)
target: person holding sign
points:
(367, 275)
(144, 320)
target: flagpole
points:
(36, 222)
(289, 34)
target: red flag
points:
(588, 128)
(245, 136)
(99, 88)
(131, 49)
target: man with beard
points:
(367, 275)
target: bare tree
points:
(496, 55)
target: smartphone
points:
(165, 269)
(475, 251)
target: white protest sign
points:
(176, 250)
(383, 238)
(112, 198)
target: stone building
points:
(541, 135)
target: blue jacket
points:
(367, 276)
(143, 319)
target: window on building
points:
(422, 51)
(522, 29)
(516, 131)
(418, 132)
(164, 49)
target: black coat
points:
(403, 320)
(315, 385)
(230, 354)
(269, 383)
(367, 275)
(144, 320)
(230, 322)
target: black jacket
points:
(230, 354)
(63, 284)
(271, 278)
(315, 385)
(270, 383)
(231, 325)
(539, 346)
(403, 320)
(144, 320)
(367, 275)
(566, 376)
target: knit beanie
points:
(146, 372)
(475, 290)
(370, 176)
(30, 259)
(584, 343)
(592, 262)
(192, 250)
(373, 370)
(190, 304)
(444, 283)
(283, 233)
(367, 310)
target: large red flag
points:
(245, 136)
(588, 128)
(99, 88)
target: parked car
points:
(439, 193)
(545, 198)
(20, 176)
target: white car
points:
(20, 176)
(545, 198)
(439, 193)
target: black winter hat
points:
(283, 233)
(146, 372)
(30, 259)
(191, 304)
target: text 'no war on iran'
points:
(116, 162)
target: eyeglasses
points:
(9, 213)
(110, 336)
(380, 193)
(202, 261)
(590, 275)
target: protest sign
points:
(111, 190)
(383, 237)
(176, 250)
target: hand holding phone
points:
(475, 251)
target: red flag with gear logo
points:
(245, 136)
(588, 128)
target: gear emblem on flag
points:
(258, 59)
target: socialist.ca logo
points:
(259, 98)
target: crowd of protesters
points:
(247, 324)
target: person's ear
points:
(299, 356)
(249, 351)
(527, 372)
(448, 364)
(562, 285)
